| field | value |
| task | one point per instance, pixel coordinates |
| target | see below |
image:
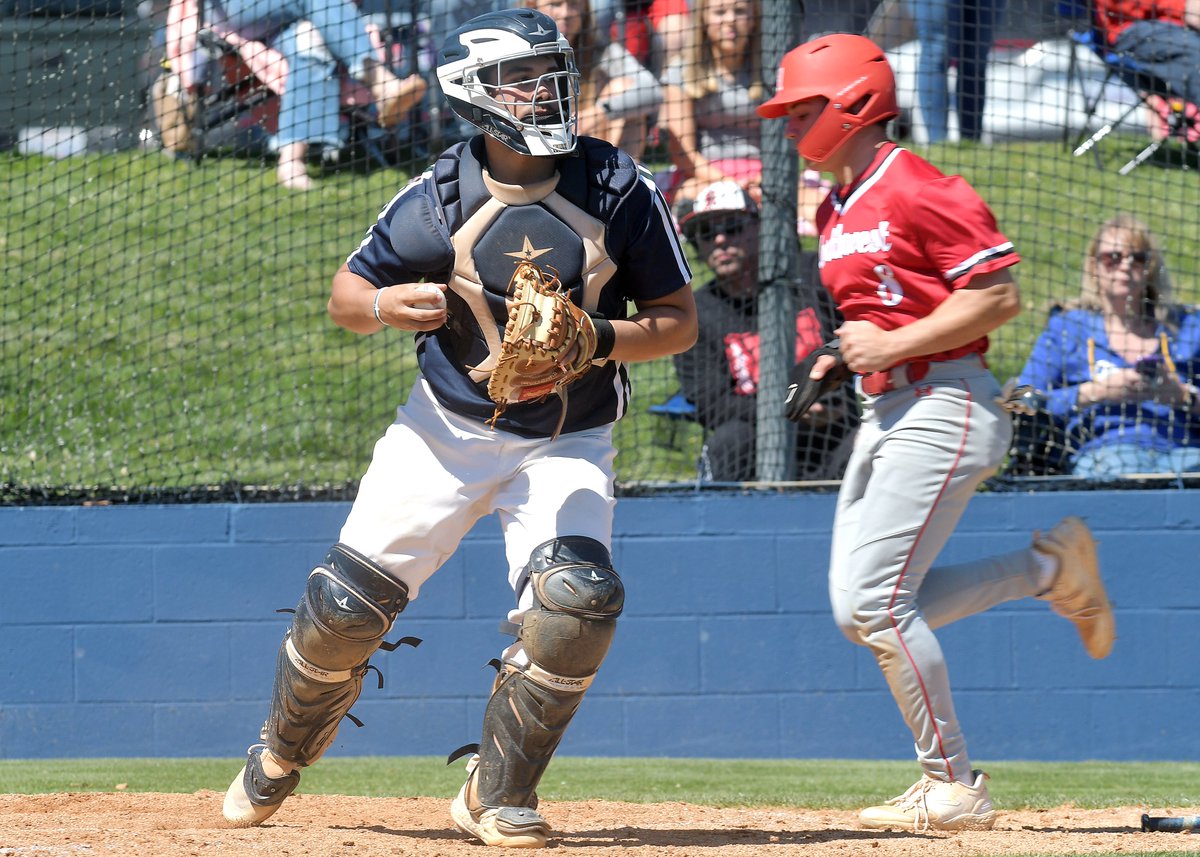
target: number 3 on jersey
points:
(889, 289)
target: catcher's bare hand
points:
(413, 306)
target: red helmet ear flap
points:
(840, 121)
(851, 73)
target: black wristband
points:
(606, 337)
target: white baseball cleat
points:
(253, 796)
(1078, 592)
(504, 826)
(932, 804)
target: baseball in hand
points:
(430, 288)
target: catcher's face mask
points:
(512, 75)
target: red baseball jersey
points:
(900, 239)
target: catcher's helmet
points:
(852, 73)
(472, 61)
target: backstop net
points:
(165, 336)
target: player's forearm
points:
(968, 314)
(356, 305)
(352, 301)
(654, 332)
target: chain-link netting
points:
(181, 180)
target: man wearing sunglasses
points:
(719, 375)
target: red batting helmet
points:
(852, 73)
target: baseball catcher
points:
(513, 260)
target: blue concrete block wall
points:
(152, 631)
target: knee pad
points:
(348, 606)
(577, 597)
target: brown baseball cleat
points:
(933, 804)
(1078, 592)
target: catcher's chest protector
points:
(561, 225)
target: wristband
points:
(606, 337)
(375, 308)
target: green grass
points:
(164, 323)
(836, 784)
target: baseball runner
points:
(529, 241)
(921, 274)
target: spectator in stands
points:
(719, 375)
(659, 27)
(958, 31)
(1161, 36)
(654, 31)
(708, 116)
(712, 132)
(1119, 365)
(619, 97)
(306, 41)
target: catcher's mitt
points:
(803, 391)
(548, 342)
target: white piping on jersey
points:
(413, 182)
(620, 379)
(843, 207)
(660, 205)
(982, 256)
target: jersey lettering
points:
(841, 244)
(889, 289)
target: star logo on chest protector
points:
(528, 253)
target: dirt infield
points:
(161, 825)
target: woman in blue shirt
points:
(1119, 366)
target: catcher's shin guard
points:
(349, 604)
(577, 598)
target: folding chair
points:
(677, 410)
(1152, 94)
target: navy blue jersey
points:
(599, 225)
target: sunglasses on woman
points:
(1113, 258)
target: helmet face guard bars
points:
(471, 64)
(851, 73)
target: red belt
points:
(877, 383)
